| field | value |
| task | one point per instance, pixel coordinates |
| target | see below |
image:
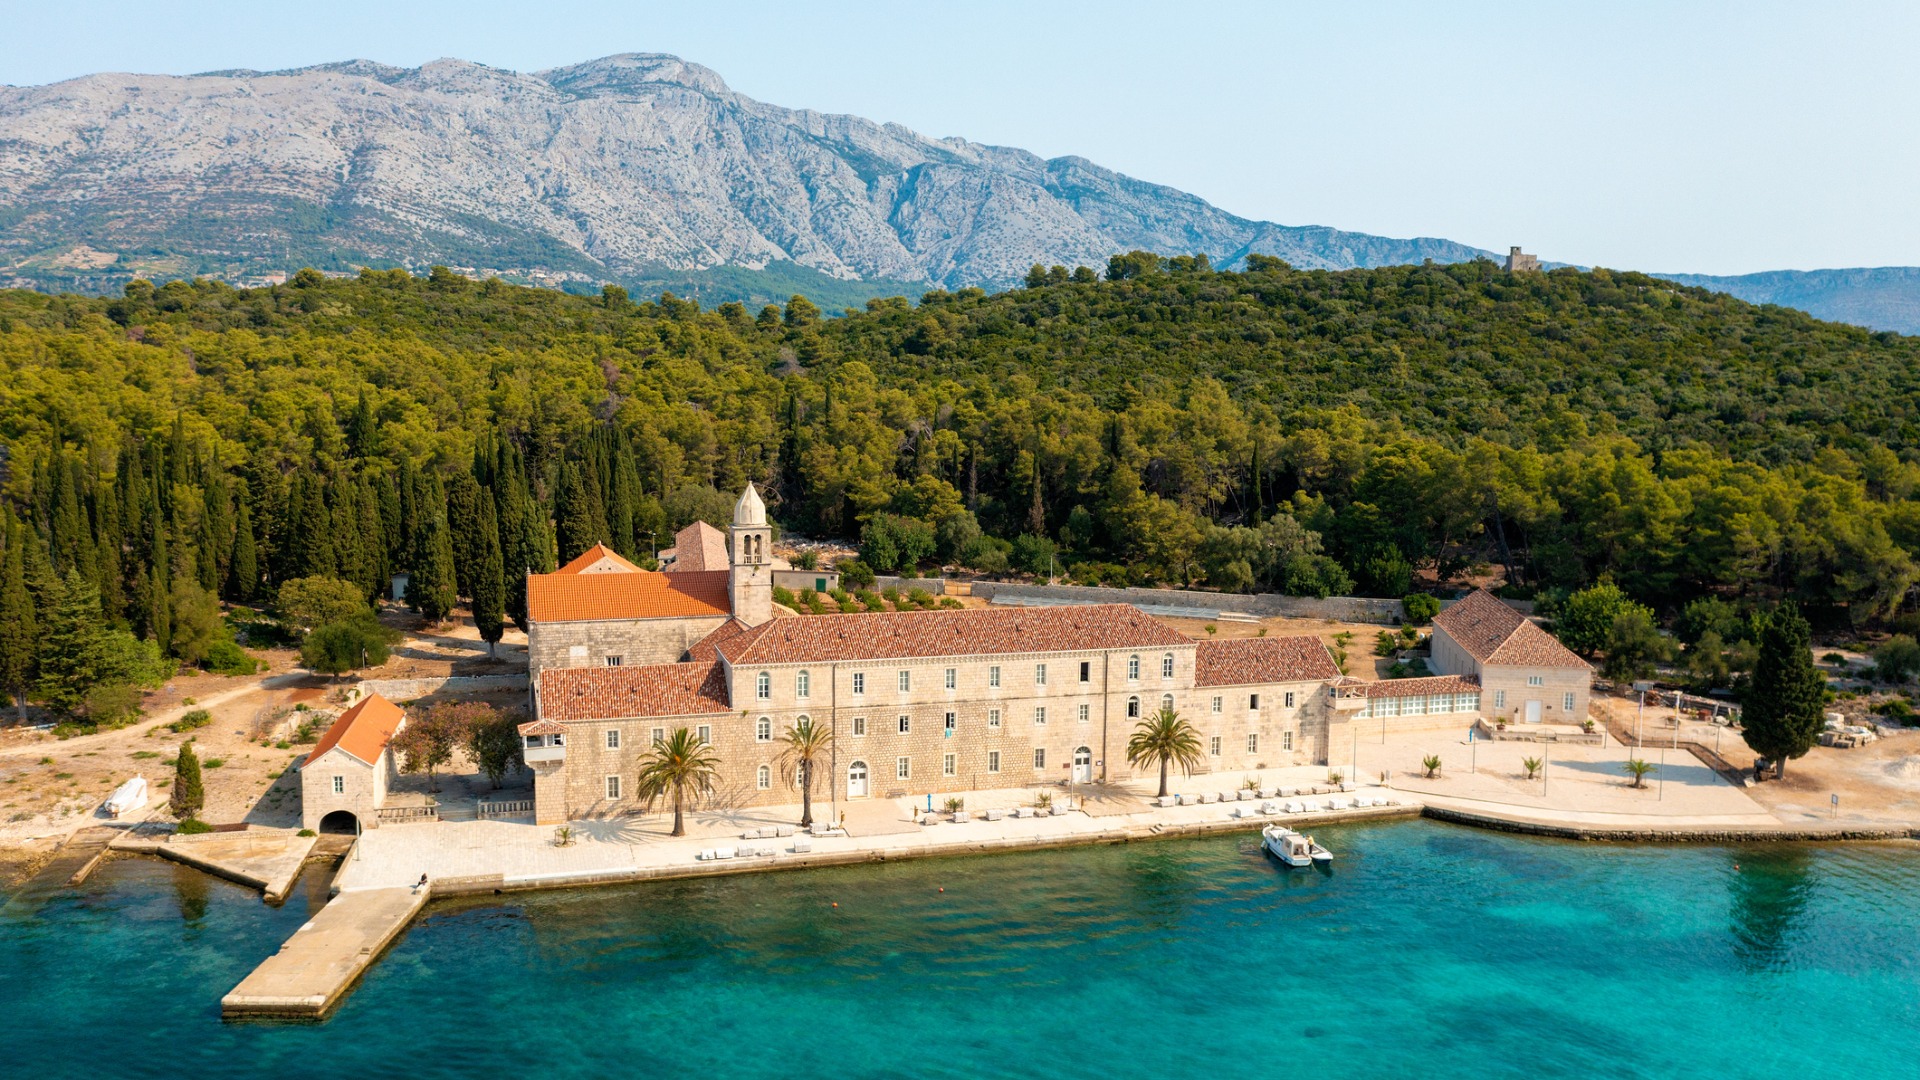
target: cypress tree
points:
(243, 570)
(1782, 713)
(373, 545)
(573, 511)
(431, 587)
(159, 614)
(72, 646)
(110, 534)
(188, 793)
(19, 636)
(489, 590)
(361, 428)
(206, 562)
(463, 526)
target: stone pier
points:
(324, 958)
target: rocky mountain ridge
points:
(617, 169)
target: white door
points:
(1083, 766)
(1533, 712)
(857, 780)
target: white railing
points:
(500, 808)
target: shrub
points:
(950, 604)
(1897, 660)
(806, 559)
(226, 657)
(193, 827)
(1386, 643)
(306, 832)
(213, 763)
(1420, 607)
(785, 598)
(358, 641)
(1833, 658)
(192, 721)
(855, 574)
(310, 602)
(920, 598)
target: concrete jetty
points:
(266, 859)
(324, 958)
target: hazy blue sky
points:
(1710, 137)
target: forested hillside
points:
(1312, 432)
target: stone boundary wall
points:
(402, 690)
(1264, 605)
(1679, 834)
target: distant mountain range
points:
(641, 169)
(1884, 298)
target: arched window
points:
(802, 684)
(763, 729)
(1133, 669)
(764, 778)
(1133, 708)
(1166, 666)
(1166, 701)
(763, 685)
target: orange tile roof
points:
(707, 649)
(1262, 660)
(1398, 688)
(596, 554)
(972, 632)
(363, 730)
(562, 597)
(607, 693)
(1493, 633)
(541, 727)
(698, 547)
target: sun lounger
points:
(995, 814)
(1207, 797)
(723, 853)
(783, 830)
(801, 847)
(820, 828)
(705, 856)
(1268, 807)
(1288, 793)
(1168, 800)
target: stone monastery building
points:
(935, 701)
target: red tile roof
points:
(562, 597)
(363, 730)
(1250, 661)
(541, 727)
(593, 556)
(608, 693)
(707, 649)
(973, 632)
(1399, 688)
(698, 547)
(1493, 633)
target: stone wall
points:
(634, 641)
(365, 786)
(1262, 605)
(1555, 684)
(405, 690)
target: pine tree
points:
(19, 637)
(72, 646)
(188, 793)
(489, 590)
(243, 570)
(1782, 713)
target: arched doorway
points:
(340, 823)
(857, 780)
(1083, 765)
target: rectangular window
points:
(906, 723)
(859, 725)
(1040, 714)
(763, 778)
(951, 717)
(659, 735)
(1039, 757)
(1535, 680)
(1289, 700)
(1133, 669)
(1213, 746)
(613, 661)
(993, 761)
(763, 685)
(948, 765)
(1039, 674)
(1253, 702)
(1566, 702)
(339, 785)
(705, 734)
(1216, 704)
(1086, 671)
(906, 681)
(802, 685)
(903, 768)
(1086, 713)
(1253, 744)
(953, 678)
(613, 787)
(1286, 740)
(859, 682)
(1499, 699)
(993, 718)
(1166, 666)
(613, 738)
(993, 676)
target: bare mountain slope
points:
(617, 169)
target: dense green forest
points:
(1273, 429)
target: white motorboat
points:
(1290, 847)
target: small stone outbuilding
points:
(346, 778)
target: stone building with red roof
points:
(346, 777)
(1525, 675)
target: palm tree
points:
(1165, 739)
(675, 764)
(805, 743)
(1638, 769)
(1432, 764)
(1532, 765)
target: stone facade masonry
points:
(634, 641)
(364, 787)
(982, 750)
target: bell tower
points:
(749, 561)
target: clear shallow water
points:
(1429, 951)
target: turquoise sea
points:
(1428, 951)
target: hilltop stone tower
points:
(749, 562)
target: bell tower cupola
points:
(750, 559)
